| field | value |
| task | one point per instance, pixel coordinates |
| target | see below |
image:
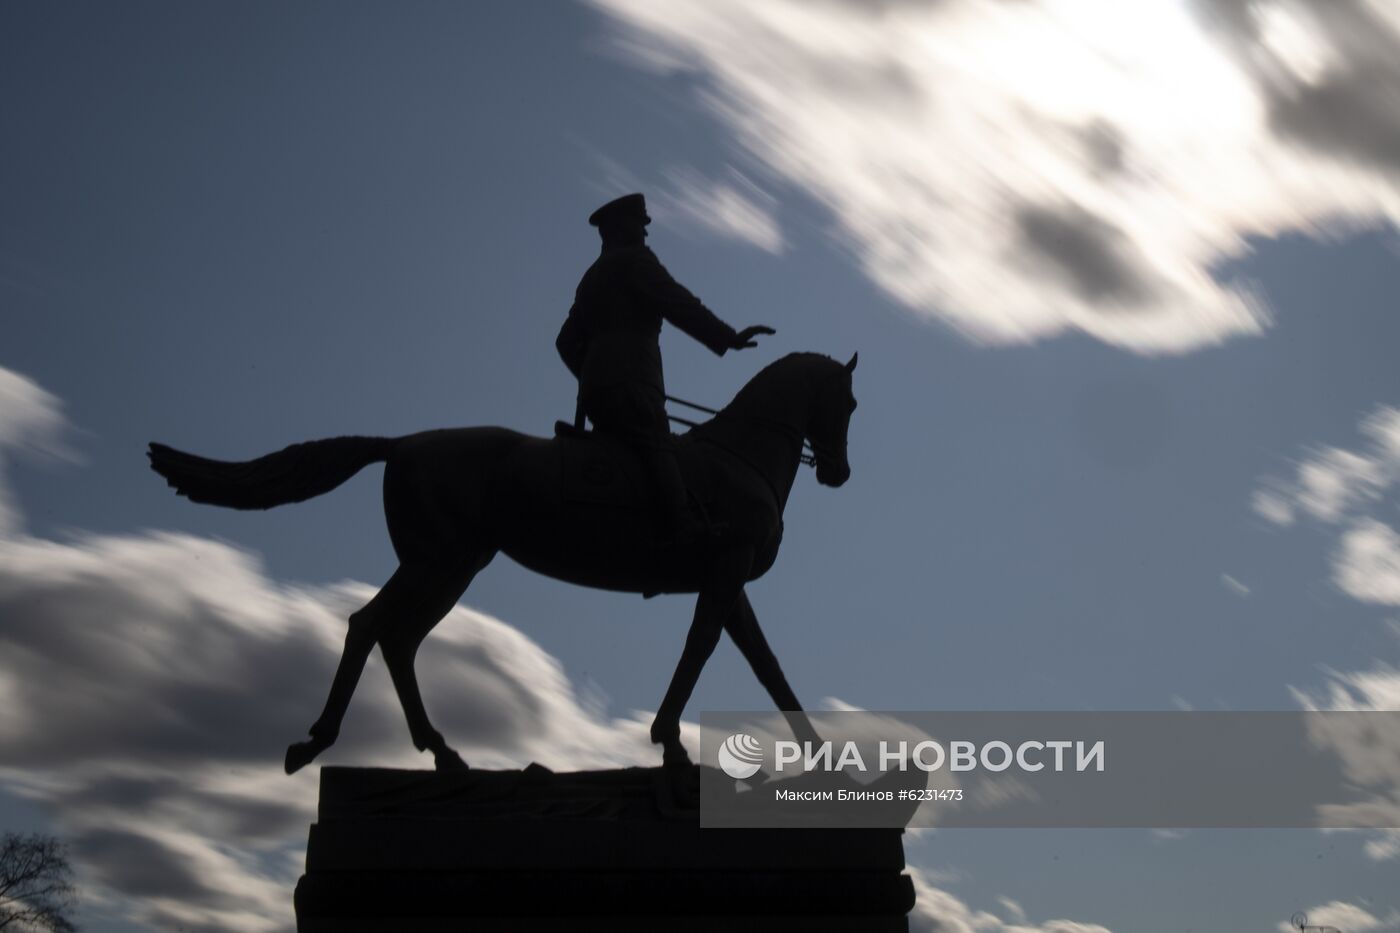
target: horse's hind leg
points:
(359, 641)
(438, 589)
(396, 598)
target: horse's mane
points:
(780, 378)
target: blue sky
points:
(1123, 293)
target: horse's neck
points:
(768, 439)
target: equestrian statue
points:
(625, 507)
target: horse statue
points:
(568, 507)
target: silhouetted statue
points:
(454, 498)
(610, 342)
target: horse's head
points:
(807, 397)
(829, 422)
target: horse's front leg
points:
(724, 586)
(742, 626)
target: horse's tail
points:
(293, 474)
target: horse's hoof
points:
(682, 780)
(301, 754)
(682, 777)
(674, 756)
(448, 760)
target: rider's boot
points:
(677, 523)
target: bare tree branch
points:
(36, 885)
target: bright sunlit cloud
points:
(1020, 170)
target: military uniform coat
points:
(612, 335)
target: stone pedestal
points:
(589, 850)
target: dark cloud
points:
(152, 682)
(1092, 256)
(485, 708)
(1351, 111)
(122, 665)
(1353, 114)
(1233, 19)
(1105, 147)
(112, 673)
(242, 816)
(138, 866)
(161, 918)
(123, 792)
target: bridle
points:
(810, 451)
(807, 456)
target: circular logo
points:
(740, 756)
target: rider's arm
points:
(677, 305)
(571, 342)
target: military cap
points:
(630, 208)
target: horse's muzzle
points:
(833, 476)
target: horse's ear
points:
(851, 366)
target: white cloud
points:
(1334, 482)
(1367, 563)
(1014, 910)
(1343, 916)
(1364, 748)
(1020, 170)
(734, 209)
(1273, 506)
(1344, 491)
(1385, 845)
(687, 202)
(30, 421)
(1234, 586)
(940, 911)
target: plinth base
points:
(535, 850)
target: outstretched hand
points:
(745, 338)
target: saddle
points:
(600, 470)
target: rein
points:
(808, 455)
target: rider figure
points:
(610, 342)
